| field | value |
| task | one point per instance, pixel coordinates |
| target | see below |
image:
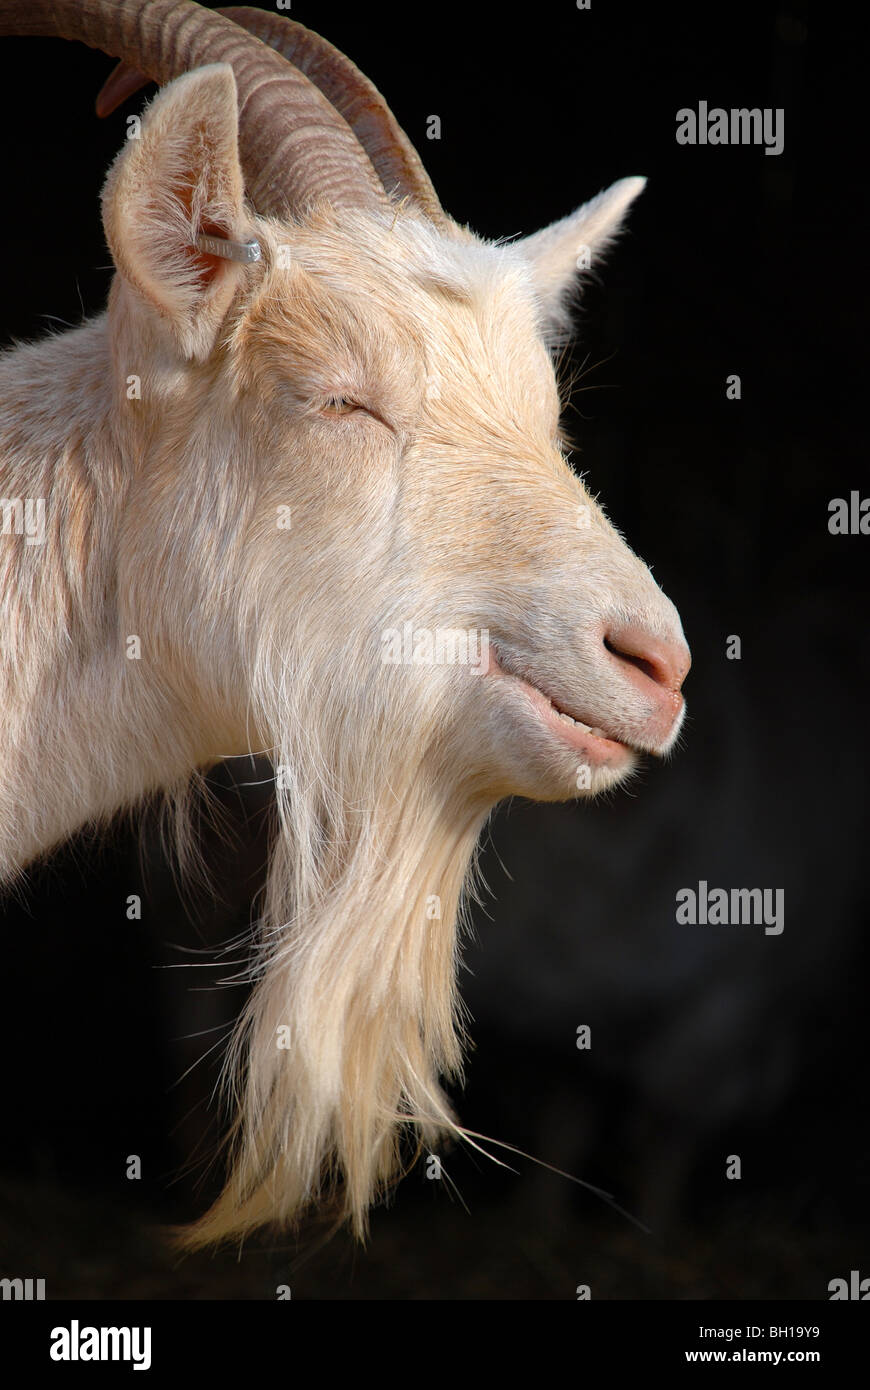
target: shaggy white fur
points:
(250, 473)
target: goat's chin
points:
(541, 773)
(523, 750)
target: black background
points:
(707, 1041)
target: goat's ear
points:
(180, 177)
(562, 252)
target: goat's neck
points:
(86, 728)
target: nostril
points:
(642, 663)
(661, 660)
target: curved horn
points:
(293, 144)
(354, 96)
(341, 82)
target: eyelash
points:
(338, 406)
(341, 405)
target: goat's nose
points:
(662, 660)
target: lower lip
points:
(595, 750)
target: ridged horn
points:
(354, 96)
(294, 145)
(357, 99)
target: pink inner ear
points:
(207, 266)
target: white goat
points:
(316, 430)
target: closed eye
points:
(340, 405)
(336, 406)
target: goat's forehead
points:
(408, 263)
(402, 299)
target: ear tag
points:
(228, 250)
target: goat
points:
(316, 429)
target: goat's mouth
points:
(584, 738)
